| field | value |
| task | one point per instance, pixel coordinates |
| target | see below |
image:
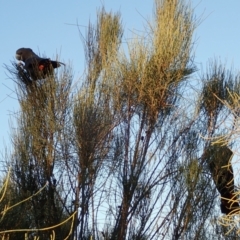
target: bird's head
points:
(24, 53)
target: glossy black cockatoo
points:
(36, 67)
(219, 162)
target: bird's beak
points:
(18, 57)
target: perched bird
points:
(36, 67)
(219, 159)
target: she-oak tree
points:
(127, 155)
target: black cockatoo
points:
(37, 67)
(219, 162)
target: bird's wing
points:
(34, 62)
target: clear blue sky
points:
(44, 27)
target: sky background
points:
(49, 28)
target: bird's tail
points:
(56, 64)
(229, 205)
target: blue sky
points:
(45, 26)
